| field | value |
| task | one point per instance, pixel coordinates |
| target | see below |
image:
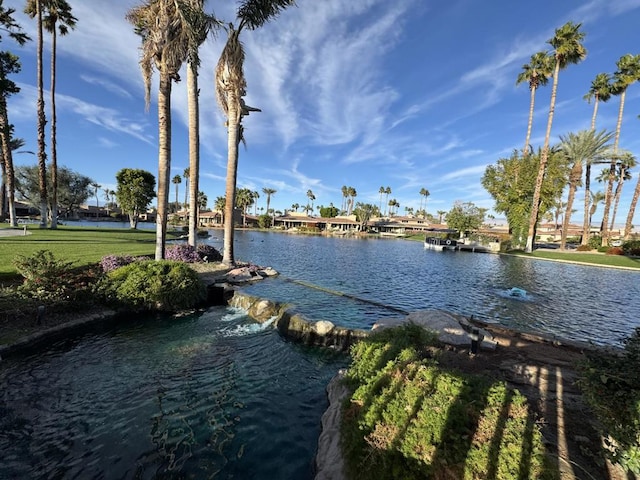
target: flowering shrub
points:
(111, 262)
(45, 277)
(182, 253)
(614, 251)
(208, 253)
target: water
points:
(209, 395)
(591, 304)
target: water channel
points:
(214, 395)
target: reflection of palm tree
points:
(568, 49)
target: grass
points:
(81, 245)
(585, 258)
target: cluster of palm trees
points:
(587, 147)
(172, 32)
(55, 17)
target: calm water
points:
(582, 303)
(215, 395)
(207, 396)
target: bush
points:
(631, 248)
(45, 277)
(611, 385)
(111, 262)
(595, 242)
(584, 248)
(182, 253)
(207, 253)
(154, 285)
(614, 251)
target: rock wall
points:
(295, 326)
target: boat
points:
(439, 244)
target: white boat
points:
(439, 244)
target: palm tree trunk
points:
(527, 139)
(632, 211)
(567, 216)
(535, 207)
(233, 140)
(616, 198)
(5, 137)
(586, 224)
(164, 162)
(54, 153)
(42, 120)
(194, 149)
(595, 113)
(608, 194)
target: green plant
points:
(45, 277)
(631, 248)
(408, 418)
(154, 285)
(594, 242)
(610, 382)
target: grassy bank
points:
(81, 245)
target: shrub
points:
(182, 253)
(154, 285)
(584, 248)
(614, 251)
(611, 385)
(595, 241)
(208, 253)
(631, 248)
(45, 277)
(111, 262)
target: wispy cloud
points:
(107, 85)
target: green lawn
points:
(585, 257)
(82, 245)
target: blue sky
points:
(407, 94)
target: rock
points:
(329, 461)
(323, 327)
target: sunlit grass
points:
(81, 245)
(586, 258)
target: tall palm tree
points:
(441, 213)
(568, 49)
(230, 88)
(256, 196)
(219, 205)
(582, 148)
(632, 210)
(596, 198)
(345, 195)
(186, 175)
(387, 192)
(177, 180)
(57, 13)
(352, 194)
(96, 186)
(628, 72)
(34, 9)
(626, 161)
(197, 25)
(164, 47)
(381, 192)
(9, 64)
(536, 73)
(426, 194)
(600, 91)
(268, 192)
(311, 198)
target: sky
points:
(406, 94)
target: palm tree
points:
(536, 73)
(628, 72)
(268, 192)
(345, 196)
(219, 205)
(256, 196)
(244, 199)
(107, 197)
(230, 88)
(600, 91)
(165, 46)
(96, 186)
(34, 10)
(387, 192)
(568, 49)
(632, 210)
(441, 213)
(425, 193)
(381, 192)
(197, 25)
(596, 198)
(352, 194)
(626, 162)
(9, 64)
(57, 13)
(295, 206)
(177, 180)
(311, 198)
(186, 174)
(583, 148)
